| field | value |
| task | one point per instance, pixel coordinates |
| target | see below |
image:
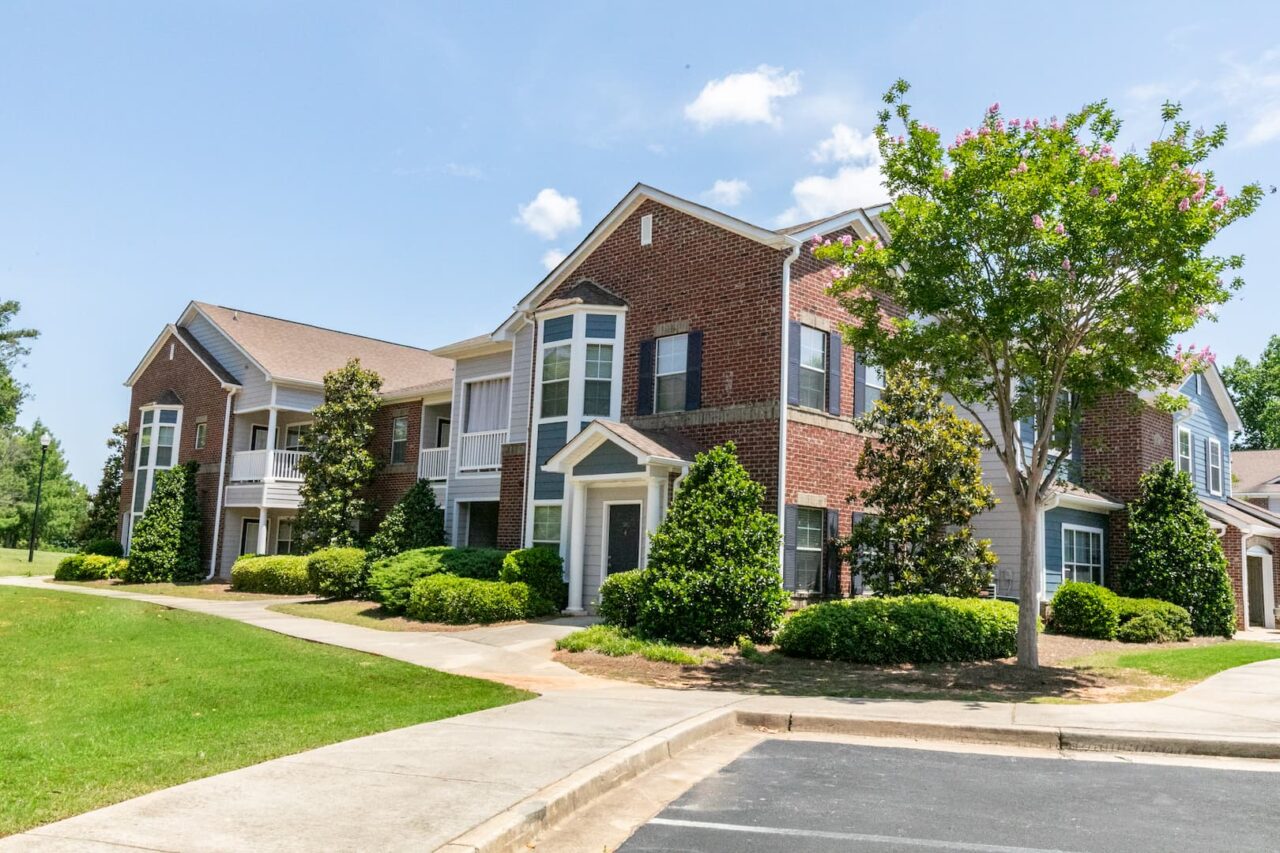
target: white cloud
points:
(747, 97)
(1254, 88)
(550, 214)
(464, 170)
(727, 193)
(551, 259)
(817, 196)
(846, 144)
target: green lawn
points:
(105, 699)
(1186, 664)
(207, 591)
(13, 561)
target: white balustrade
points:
(433, 463)
(481, 451)
(250, 466)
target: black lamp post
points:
(35, 516)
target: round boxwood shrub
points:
(713, 572)
(336, 572)
(620, 597)
(104, 547)
(390, 580)
(1175, 620)
(907, 629)
(1084, 610)
(1147, 628)
(542, 569)
(89, 567)
(279, 575)
(463, 601)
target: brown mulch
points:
(773, 673)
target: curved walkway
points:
(421, 787)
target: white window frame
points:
(201, 435)
(1190, 458)
(820, 550)
(659, 375)
(873, 379)
(297, 426)
(1102, 552)
(567, 380)
(148, 472)
(404, 442)
(534, 538)
(1214, 470)
(587, 379)
(824, 372)
(280, 524)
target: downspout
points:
(221, 497)
(784, 372)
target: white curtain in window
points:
(487, 405)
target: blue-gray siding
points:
(1206, 421)
(1053, 521)
(608, 458)
(548, 486)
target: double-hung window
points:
(546, 527)
(201, 435)
(597, 394)
(1081, 554)
(1186, 462)
(284, 536)
(296, 436)
(671, 373)
(813, 368)
(810, 524)
(555, 381)
(873, 384)
(1215, 467)
(399, 439)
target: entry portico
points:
(618, 483)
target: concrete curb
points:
(520, 823)
(516, 826)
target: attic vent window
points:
(171, 352)
(646, 229)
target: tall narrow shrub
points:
(416, 521)
(165, 545)
(1175, 554)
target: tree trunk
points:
(1029, 582)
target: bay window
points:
(157, 451)
(555, 381)
(597, 394)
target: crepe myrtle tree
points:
(1034, 268)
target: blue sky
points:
(404, 170)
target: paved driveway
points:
(813, 797)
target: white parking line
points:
(927, 843)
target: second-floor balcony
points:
(433, 463)
(254, 466)
(481, 451)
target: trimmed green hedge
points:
(464, 601)
(336, 572)
(909, 629)
(89, 567)
(1090, 610)
(621, 595)
(542, 569)
(390, 580)
(279, 575)
(103, 547)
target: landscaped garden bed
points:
(370, 614)
(107, 699)
(1073, 669)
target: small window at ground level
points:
(284, 536)
(1081, 554)
(810, 542)
(201, 431)
(399, 439)
(1185, 462)
(546, 527)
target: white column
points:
(269, 474)
(577, 545)
(653, 513)
(262, 531)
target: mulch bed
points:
(999, 680)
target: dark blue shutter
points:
(693, 373)
(833, 373)
(855, 582)
(793, 364)
(644, 388)
(859, 385)
(831, 585)
(789, 521)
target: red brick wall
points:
(511, 497)
(392, 481)
(202, 397)
(1232, 541)
(1121, 438)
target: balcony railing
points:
(481, 451)
(433, 463)
(249, 466)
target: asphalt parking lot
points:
(809, 796)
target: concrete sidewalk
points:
(487, 779)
